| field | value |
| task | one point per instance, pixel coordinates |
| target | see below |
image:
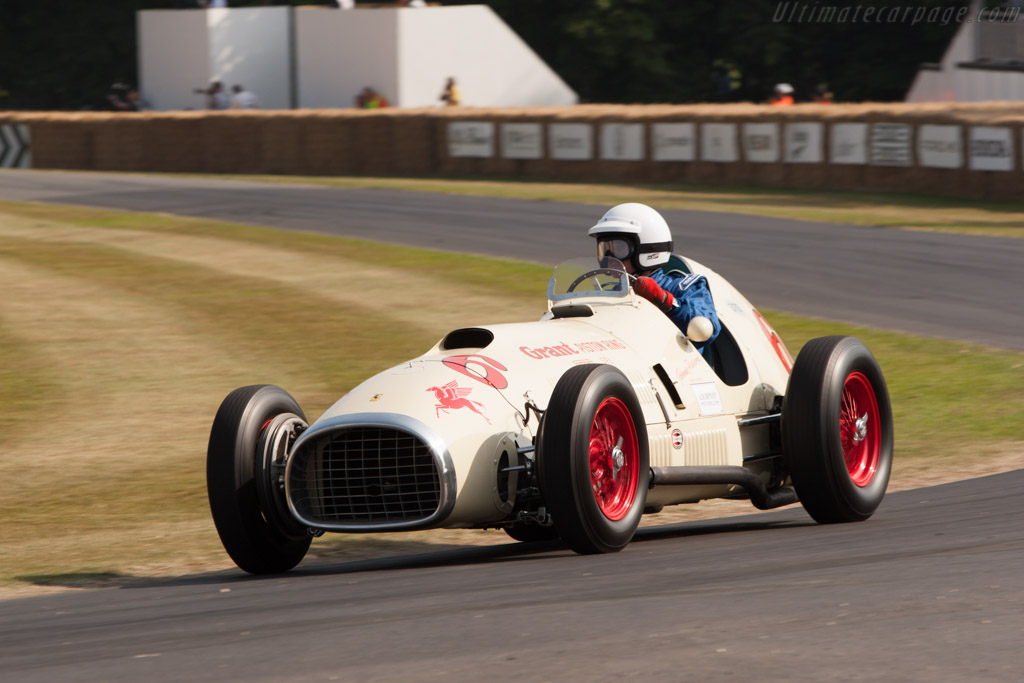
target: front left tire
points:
(249, 522)
(593, 462)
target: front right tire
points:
(837, 430)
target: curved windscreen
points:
(588, 277)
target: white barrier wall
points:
(251, 47)
(405, 54)
(951, 83)
(338, 53)
(182, 50)
(490, 62)
(174, 57)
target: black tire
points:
(588, 521)
(840, 468)
(255, 545)
(531, 533)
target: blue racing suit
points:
(693, 298)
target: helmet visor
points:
(616, 248)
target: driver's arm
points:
(692, 296)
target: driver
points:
(638, 236)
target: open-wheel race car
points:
(572, 426)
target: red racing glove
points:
(650, 290)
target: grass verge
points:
(121, 333)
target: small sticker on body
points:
(708, 398)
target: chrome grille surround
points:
(370, 472)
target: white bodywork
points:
(470, 402)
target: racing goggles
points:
(618, 248)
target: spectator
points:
(344, 4)
(217, 4)
(124, 98)
(243, 99)
(783, 96)
(216, 98)
(135, 101)
(370, 99)
(451, 95)
(415, 4)
(118, 97)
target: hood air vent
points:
(467, 338)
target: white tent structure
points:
(984, 61)
(323, 57)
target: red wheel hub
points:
(614, 459)
(860, 429)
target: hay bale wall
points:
(584, 143)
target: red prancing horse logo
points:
(451, 397)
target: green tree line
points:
(65, 54)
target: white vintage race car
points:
(572, 426)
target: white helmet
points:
(634, 232)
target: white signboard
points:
(761, 142)
(471, 139)
(521, 141)
(940, 146)
(718, 142)
(622, 141)
(571, 141)
(991, 148)
(708, 398)
(848, 143)
(674, 141)
(804, 143)
(890, 144)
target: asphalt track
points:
(938, 285)
(929, 589)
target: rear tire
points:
(837, 430)
(257, 545)
(595, 496)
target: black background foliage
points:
(65, 54)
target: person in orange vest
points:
(783, 96)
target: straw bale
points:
(280, 139)
(232, 143)
(372, 141)
(325, 145)
(414, 142)
(62, 144)
(121, 144)
(412, 145)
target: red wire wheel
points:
(593, 464)
(859, 429)
(614, 459)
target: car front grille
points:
(365, 476)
